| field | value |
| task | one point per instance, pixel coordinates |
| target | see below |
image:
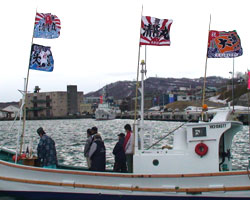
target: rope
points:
(167, 135)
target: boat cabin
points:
(197, 148)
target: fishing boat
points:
(197, 166)
(106, 111)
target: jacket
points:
(119, 152)
(46, 151)
(128, 144)
(97, 155)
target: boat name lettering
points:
(218, 126)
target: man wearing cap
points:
(120, 157)
(46, 150)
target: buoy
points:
(201, 149)
(205, 107)
(23, 155)
(14, 158)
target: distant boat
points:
(105, 112)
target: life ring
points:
(201, 149)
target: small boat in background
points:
(106, 111)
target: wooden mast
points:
(138, 66)
(205, 75)
(25, 95)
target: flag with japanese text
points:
(41, 58)
(155, 31)
(248, 86)
(222, 44)
(47, 26)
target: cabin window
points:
(199, 132)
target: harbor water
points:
(70, 137)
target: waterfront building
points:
(86, 108)
(12, 111)
(54, 104)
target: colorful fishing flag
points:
(41, 58)
(222, 44)
(248, 87)
(155, 31)
(47, 26)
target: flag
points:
(155, 31)
(47, 26)
(41, 58)
(222, 44)
(101, 99)
(248, 87)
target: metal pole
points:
(142, 105)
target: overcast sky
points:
(99, 41)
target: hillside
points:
(154, 85)
(6, 104)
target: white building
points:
(13, 110)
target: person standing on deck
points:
(120, 157)
(97, 154)
(128, 147)
(46, 150)
(87, 146)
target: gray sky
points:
(99, 40)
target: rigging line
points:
(168, 134)
(204, 84)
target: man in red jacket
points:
(128, 147)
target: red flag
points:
(101, 100)
(248, 80)
(155, 31)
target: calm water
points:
(70, 136)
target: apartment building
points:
(54, 104)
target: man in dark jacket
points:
(46, 150)
(120, 157)
(97, 154)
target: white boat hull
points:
(22, 180)
(105, 115)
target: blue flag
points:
(41, 58)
